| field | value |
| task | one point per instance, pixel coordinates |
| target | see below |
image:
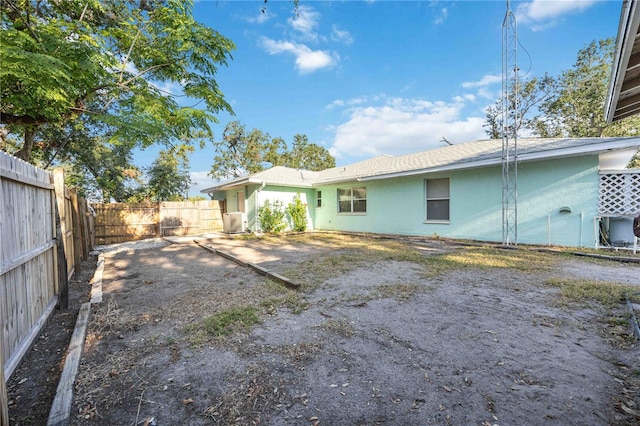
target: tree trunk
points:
(25, 152)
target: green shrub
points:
(297, 211)
(271, 217)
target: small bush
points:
(297, 211)
(271, 217)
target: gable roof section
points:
(278, 175)
(463, 156)
(623, 98)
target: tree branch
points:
(145, 71)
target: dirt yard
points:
(382, 331)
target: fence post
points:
(159, 230)
(63, 280)
(84, 228)
(77, 240)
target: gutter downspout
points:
(258, 204)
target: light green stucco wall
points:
(398, 205)
(255, 197)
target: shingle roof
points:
(480, 153)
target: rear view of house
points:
(571, 192)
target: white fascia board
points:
(342, 180)
(619, 171)
(287, 184)
(225, 186)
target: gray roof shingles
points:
(459, 156)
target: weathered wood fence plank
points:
(121, 222)
(4, 404)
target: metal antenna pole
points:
(510, 122)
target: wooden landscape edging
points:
(259, 269)
(96, 281)
(60, 412)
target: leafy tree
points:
(572, 105)
(66, 59)
(100, 170)
(576, 109)
(308, 156)
(530, 94)
(168, 176)
(240, 153)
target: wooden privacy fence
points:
(34, 267)
(120, 222)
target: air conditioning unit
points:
(234, 223)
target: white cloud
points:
(263, 16)
(402, 126)
(305, 22)
(444, 13)
(541, 14)
(343, 36)
(484, 87)
(307, 60)
(350, 102)
(486, 80)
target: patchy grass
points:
(583, 291)
(293, 301)
(346, 253)
(400, 292)
(222, 324)
(341, 327)
(489, 257)
(110, 318)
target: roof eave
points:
(627, 31)
(254, 181)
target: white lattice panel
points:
(619, 193)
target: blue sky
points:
(364, 78)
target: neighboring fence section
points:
(31, 283)
(121, 222)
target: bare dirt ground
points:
(382, 331)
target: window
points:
(318, 198)
(437, 199)
(352, 200)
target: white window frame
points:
(318, 199)
(352, 199)
(438, 198)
